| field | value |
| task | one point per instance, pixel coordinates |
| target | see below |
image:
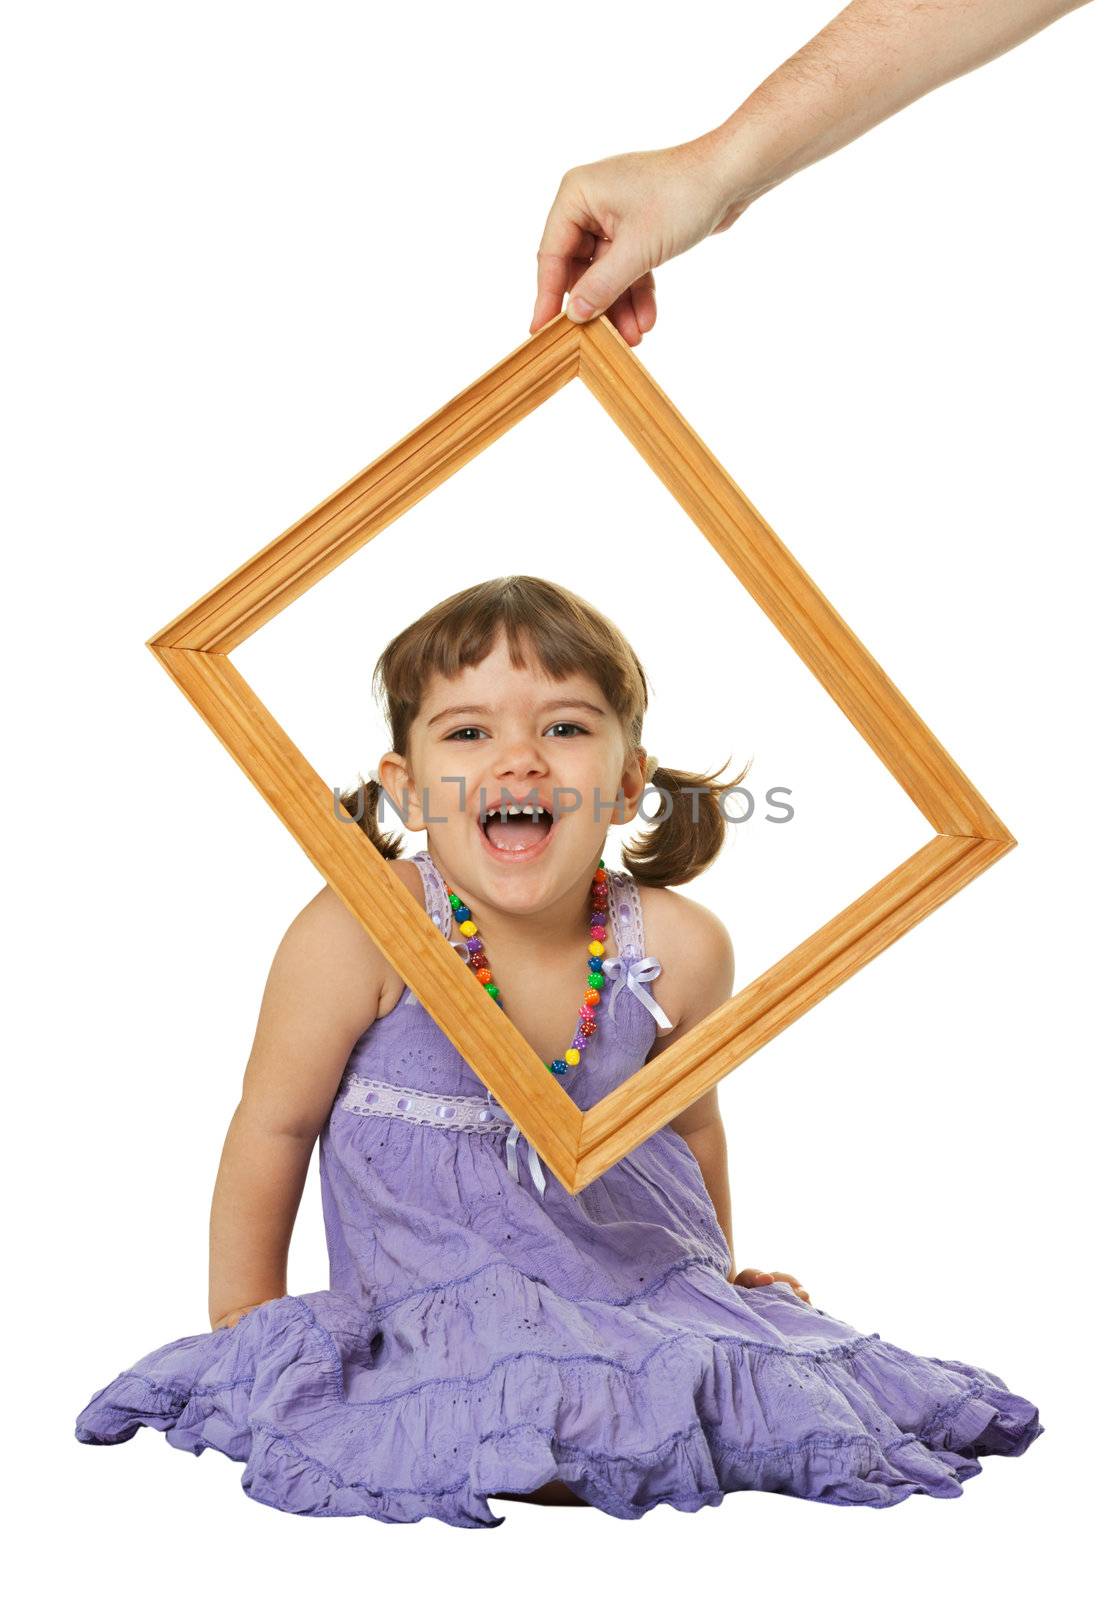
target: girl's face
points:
(498, 734)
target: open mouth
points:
(516, 829)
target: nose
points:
(520, 761)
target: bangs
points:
(545, 625)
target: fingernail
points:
(579, 309)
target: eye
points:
(457, 736)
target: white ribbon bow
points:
(534, 1159)
(640, 973)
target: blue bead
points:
(595, 963)
(461, 913)
(559, 1067)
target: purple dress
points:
(485, 1331)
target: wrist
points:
(240, 1308)
(734, 157)
(229, 1319)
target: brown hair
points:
(567, 636)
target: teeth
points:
(514, 811)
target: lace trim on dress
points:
(626, 914)
(439, 906)
(467, 1112)
(435, 900)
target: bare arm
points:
(701, 945)
(322, 992)
(697, 942)
(874, 58)
(707, 1139)
(613, 221)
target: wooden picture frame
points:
(195, 649)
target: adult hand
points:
(615, 220)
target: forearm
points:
(256, 1196)
(874, 58)
(709, 1145)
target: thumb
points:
(606, 279)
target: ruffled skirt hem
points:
(701, 1389)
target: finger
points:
(621, 312)
(624, 319)
(750, 1277)
(642, 299)
(616, 266)
(795, 1284)
(787, 1277)
(555, 279)
(568, 235)
(552, 285)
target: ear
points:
(395, 778)
(632, 783)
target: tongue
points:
(516, 833)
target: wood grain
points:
(194, 648)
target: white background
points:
(252, 247)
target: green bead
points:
(454, 898)
(491, 988)
(602, 863)
(595, 980)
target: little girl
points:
(486, 1334)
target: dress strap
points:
(435, 894)
(436, 904)
(626, 914)
(631, 969)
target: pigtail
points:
(362, 803)
(687, 830)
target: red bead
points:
(587, 1027)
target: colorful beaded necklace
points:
(591, 995)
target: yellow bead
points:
(572, 1057)
(596, 947)
(467, 928)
